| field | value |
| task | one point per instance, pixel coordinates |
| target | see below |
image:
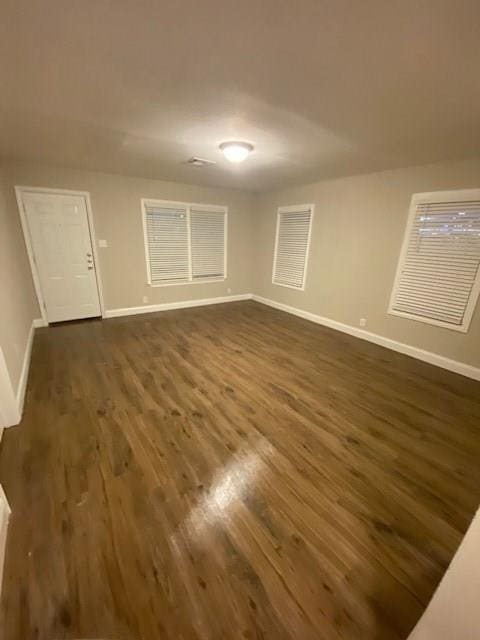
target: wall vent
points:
(200, 162)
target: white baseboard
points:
(39, 322)
(427, 356)
(420, 354)
(22, 384)
(4, 518)
(11, 402)
(8, 401)
(167, 306)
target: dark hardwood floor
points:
(232, 472)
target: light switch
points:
(102, 243)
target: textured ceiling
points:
(322, 88)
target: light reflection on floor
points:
(228, 488)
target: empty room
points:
(239, 320)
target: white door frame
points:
(19, 191)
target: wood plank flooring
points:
(232, 472)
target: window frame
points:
(188, 206)
(293, 209)
(456, 195)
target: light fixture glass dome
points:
(236, 151)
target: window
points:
(292, 242)
(184, 243)
(438, 274)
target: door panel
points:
(62, 247)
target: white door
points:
(62, 249)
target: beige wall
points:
(18, 302)
(357, 233)
(117, 217)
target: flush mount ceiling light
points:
(236, 151)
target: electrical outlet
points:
(363, 322)
(102, 244)
(145, 299)
(229, 290)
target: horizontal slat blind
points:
(184, 242)
(167, 240)
(291, 247)
(208, 243)
(441, 262)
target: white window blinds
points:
(184, 243)
(438, 273)
(208, 243)
(167, 241)
(291, 246)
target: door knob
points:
(89, 268)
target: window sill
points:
(181, 284)
(463, 328)
(288, 286)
